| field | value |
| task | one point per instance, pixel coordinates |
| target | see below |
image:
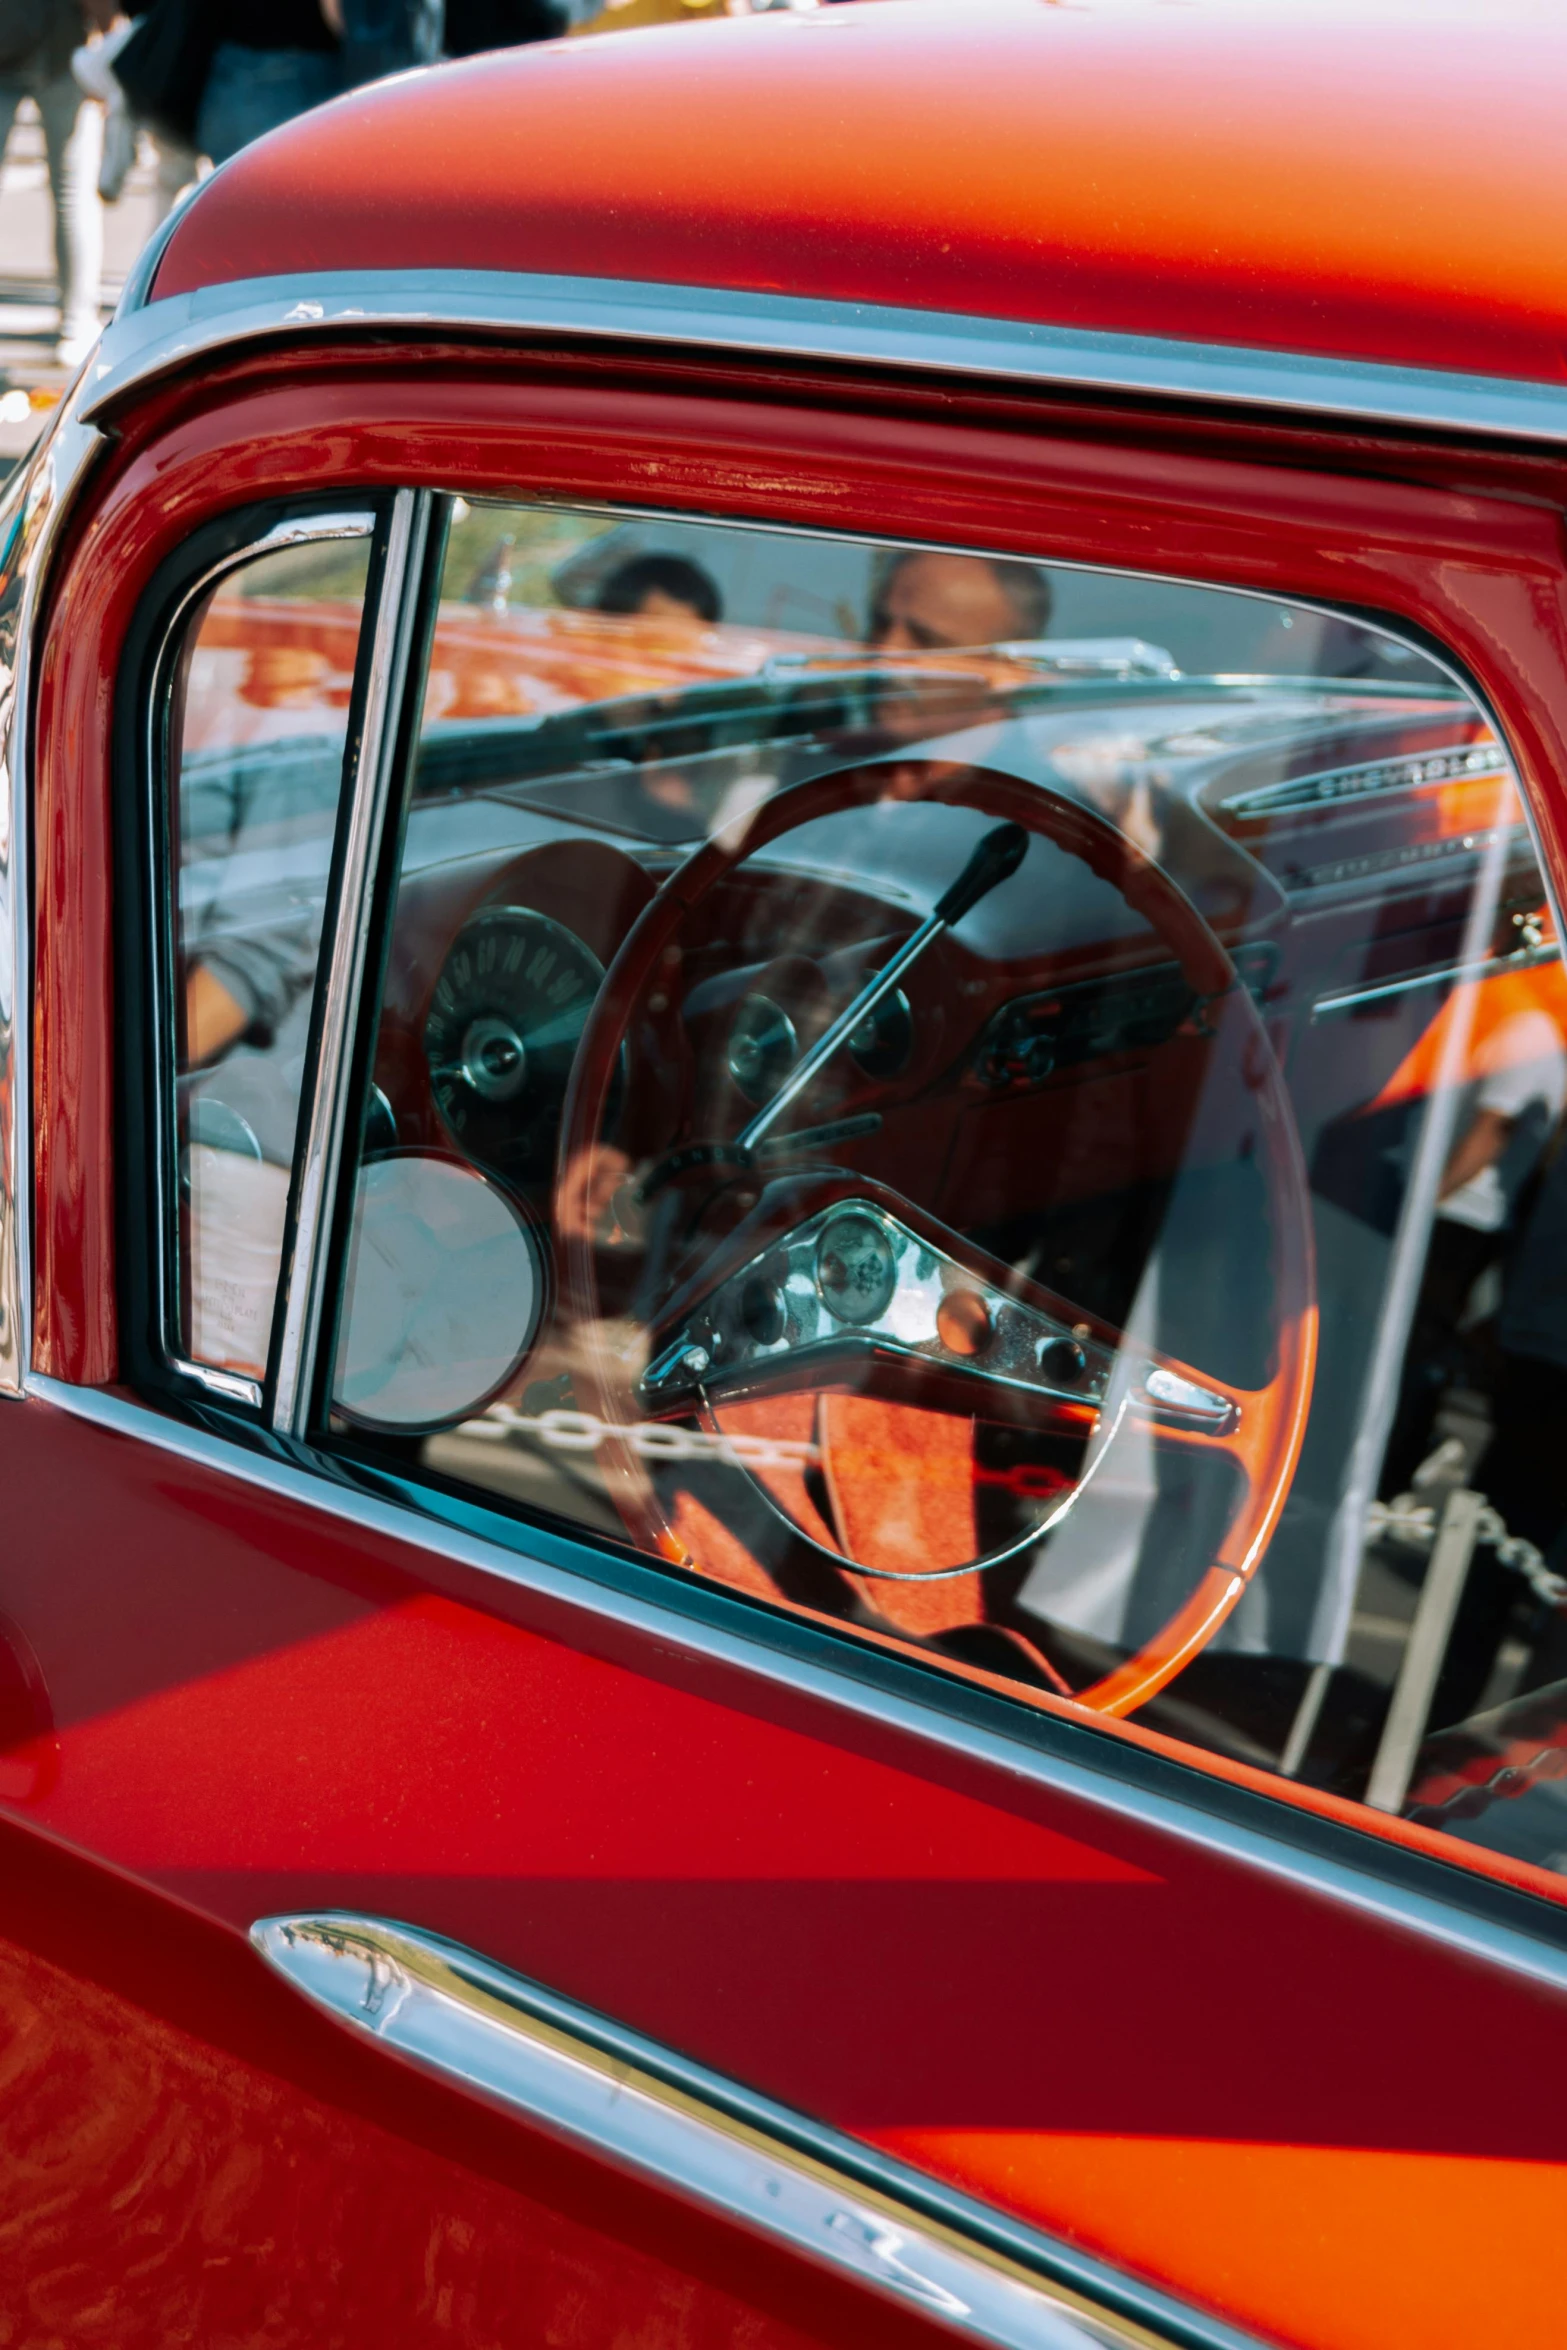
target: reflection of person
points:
(256, 826)
(256, 835)
(931, 602)
(666, 587)
(1515, 1094)
(1517, 1089)
(1525, 1471)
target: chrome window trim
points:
(295, 530)
(227, 1386)
(302, 530)
(1376, 1897)
(344, 939)
(141, 343)
(47, 485)
(690, 2132)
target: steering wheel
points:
(1007, 1349)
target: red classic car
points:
(783, 1226)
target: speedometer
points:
(501, 1035)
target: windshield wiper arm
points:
(996, 859)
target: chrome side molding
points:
(686, 2131)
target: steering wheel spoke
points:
(857, 1294)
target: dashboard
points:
(512, 911)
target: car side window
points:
(259, 701)
(1011, 1111)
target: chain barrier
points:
(1414, 1523)
(561, 1430)
(652, 1440)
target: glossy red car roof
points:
(1374, 179)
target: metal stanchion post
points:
(1428, 1637)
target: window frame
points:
(358, 925)
(147, 875)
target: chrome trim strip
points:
(299, 530)
(1390, 1904)
(1371, 779)
(691, 2133)
(46, 487)
(302, 530)
(1440, 975)
(142, 343)
(343, 947)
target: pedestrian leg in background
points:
(10, 99)
(73, 142)
(178, 167)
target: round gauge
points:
(856, 1267)
(501, 1034)
(884, 1039)
(762, 1047)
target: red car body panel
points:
(191, 2156)
(1140, 2043)
(1349, 182)
(228, 1700)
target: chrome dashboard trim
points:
(45, 487)
(1390, 1904)
(343, 953)
(689, 2132)
(1327, 1007)
(146, 341)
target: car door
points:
(778, 1929)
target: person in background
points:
(475, 26)
(924, 602)
(930, 602)
(73, 143)
(177, 163)
(1525, 1471)
(1514, 1096)
(668, 587)
(274, 59)
(379, 37)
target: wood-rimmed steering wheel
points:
(1025, 1356)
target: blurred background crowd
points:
(107, 118)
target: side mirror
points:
(447, 1279)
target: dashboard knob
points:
(762, 1311)
(494, 1060)
(964, 1323)
(1062, 1361)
